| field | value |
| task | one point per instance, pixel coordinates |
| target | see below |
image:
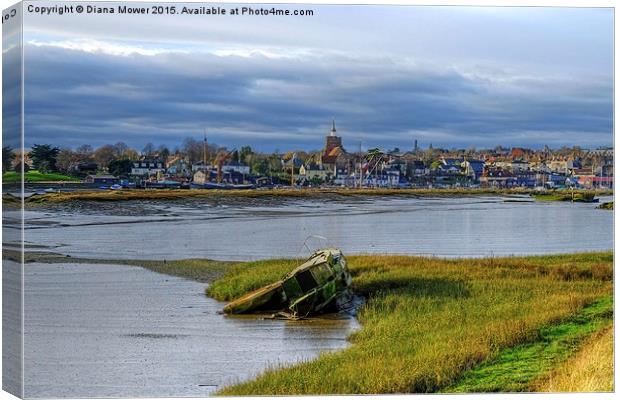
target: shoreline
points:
(452, 315)
(39, 254)
(310, 193)
(462, 300)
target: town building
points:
(102, 179)
(235, 167)
(334, 157)
(147, 167)
(313, 173)
(473, 168)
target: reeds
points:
(427, 321)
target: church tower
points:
(333, 149)
(332, 141)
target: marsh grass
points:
(583, 196)
(170, 194)
(427, 321)
(515, 368)
(590, 370)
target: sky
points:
(388, 75)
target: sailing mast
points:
(361, 162)
(204, 150)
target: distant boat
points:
(163, 185)
(248, 186)
(221, 186)
(49, 190)
(103, 187)
(116, 187)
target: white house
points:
(236, 167)
(147, 167)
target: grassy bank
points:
(201, 270)
(426, 321)
(36, 176)
(171, 194)
(580, 196)
(590, 370)
(436, 325)
(515, 368)
(607, 206)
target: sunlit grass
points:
(566, 195)
(590, 370)
(426, 321)
(167, 194)
(35, 176)
(515, 368)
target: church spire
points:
(333, 131)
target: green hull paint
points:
(309, 289)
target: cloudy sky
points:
(450, 76)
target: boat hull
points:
(267, 298)
(312, 288)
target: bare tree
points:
(84, 153)
(120, 148)
(192, 149)
(131, 154)
(66, 160)
(104, 154)
(164, 152)
(149, 149)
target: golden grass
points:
(590, 370)
(426, 321)
(168, 194)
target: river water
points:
(119, 331)
(448, 227)
(115, 331)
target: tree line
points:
(118, 158)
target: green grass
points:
(427, 321)
(591, 369)
(581, 196)
(516, 368)
(607, 206)
(35, 176)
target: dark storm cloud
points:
(287, 101)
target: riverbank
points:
(200, 270)
(607, 206)
(426, 322)
(573, 196)
(310, 193)
(34, 176)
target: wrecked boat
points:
(318, 285)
